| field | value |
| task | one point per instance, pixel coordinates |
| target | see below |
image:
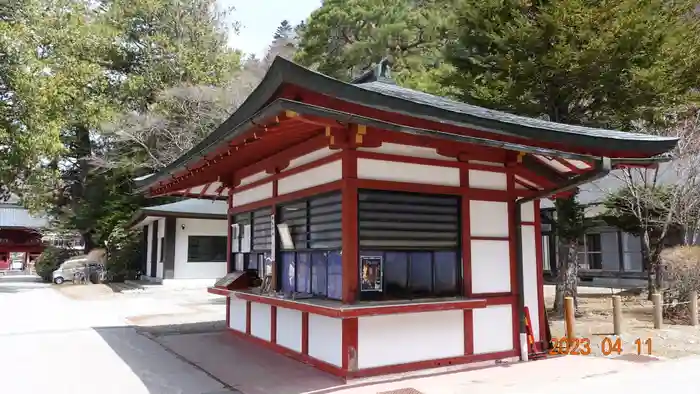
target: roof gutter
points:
(602, 167)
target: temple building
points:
(20, 236)
(184, 242)
(375, 229)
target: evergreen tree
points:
(602, 64)
(343, 38)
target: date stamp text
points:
(608, 346)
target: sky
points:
(260, 18)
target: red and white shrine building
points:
(399, 230)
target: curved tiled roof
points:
(372, 92)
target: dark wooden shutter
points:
(394, 220)
(262, 234)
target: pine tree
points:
(603, 64)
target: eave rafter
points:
(284, 122)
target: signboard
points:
(371, 273)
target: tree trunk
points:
(88, 242)
(567, 276)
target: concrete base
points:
(181, 283)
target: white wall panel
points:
(320, 175)
(488, 180)
(237, 314)
(493, 329)
(408, 150)
(325, 339)
(490, 266)
(527, 212)
(530, 277)
(260, 321)
(310, 157)
(254, 194)
(407, 172)
(409, 337)
(488, 218)
(254, 178)
(289, 328)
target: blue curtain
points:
(335, 276)
(319, 273)
(288, 272)
(303, 273)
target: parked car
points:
(68, 268)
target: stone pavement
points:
(172, 343)
(52, 344)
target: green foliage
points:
(93, 64)
(601, 63)
(49, 260)
(571, 219)
(124, 253)
(344, 38)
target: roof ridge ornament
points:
(383, 71)
(380, 72)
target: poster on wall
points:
(371, 270)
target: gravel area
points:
(596, 325)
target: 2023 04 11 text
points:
(608, 346)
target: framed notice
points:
(371, 273)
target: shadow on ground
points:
(16, 283)
(208, 350)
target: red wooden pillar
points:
(466, 243)
(229, 263)
(540, 270)
(349, 225)
(512, 229)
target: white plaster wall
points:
(325, 339)
(488, 180)
(237, 314)
(254, 178)
(490, 266)
(260, 321)
(493, 329)
(527, 212)
(161, 235)
(289, 329)
(408, 150)
(326, 173)
(410, 337)
(530, 277)
(488, 218)
(309, 157)
(254, 194)
(407, 172)
(194, 227)
(149, 249)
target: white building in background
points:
(184, 243)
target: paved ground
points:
(91, 339)
(52, 344)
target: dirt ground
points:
(596, 325)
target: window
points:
(205, 249)
(311, 263)
(418, 237)
(414, 274)
(591, 254)
(161, 250)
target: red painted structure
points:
(295, 112)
